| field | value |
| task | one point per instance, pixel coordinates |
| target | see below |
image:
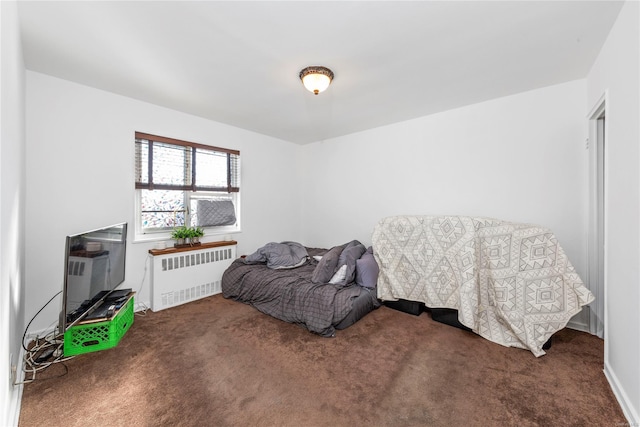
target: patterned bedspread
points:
(511, 283)
(290, 295)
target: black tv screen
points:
(94, 267)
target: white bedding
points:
(511, 283)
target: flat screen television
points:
(94, 265)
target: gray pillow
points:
(352, 252)
(327, 266)
(367, 270)
(216, 212)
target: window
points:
(184, 183)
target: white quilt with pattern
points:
(511, 283)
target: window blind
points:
(170, 164)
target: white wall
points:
(617, 71)
(80, 176)
(12, 168)
(519, 158)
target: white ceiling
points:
(238, 62)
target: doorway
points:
(597, 215)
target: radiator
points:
(178, 277)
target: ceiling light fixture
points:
(316, 78)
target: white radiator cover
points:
(181, 277)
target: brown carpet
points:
(216, 362)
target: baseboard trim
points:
(627, 408)
(15, 402)
(578, 326)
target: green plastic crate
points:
(90, 337)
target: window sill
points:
(206, 245)
(150, 238)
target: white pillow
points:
(339, 275)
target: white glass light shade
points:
(316, 83)
(316, 79)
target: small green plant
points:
(181, 232)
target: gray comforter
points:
(290, 295)
(279, 255)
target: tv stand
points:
(103, 328)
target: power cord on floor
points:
(42, 352)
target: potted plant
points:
(189, 235)
(179, 234)
(198, 232)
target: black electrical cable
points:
(33, 318)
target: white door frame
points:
(597, 241)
